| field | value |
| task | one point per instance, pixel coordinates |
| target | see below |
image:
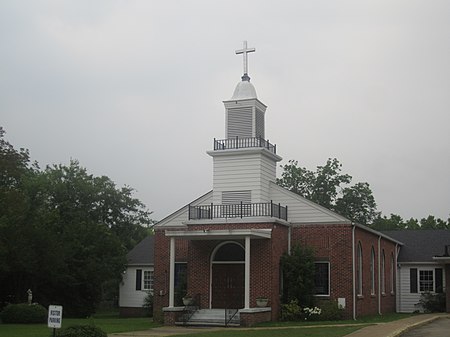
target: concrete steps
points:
(210, 317)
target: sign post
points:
(55, 317)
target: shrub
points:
(148, 304)
(291, 311)
(24, 313)
(330, 311)
(432, 302)
(81, 331)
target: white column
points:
(172, 273)
(247, 273)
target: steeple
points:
(244, 162)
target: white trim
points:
(172, 273)
(221, 234)
(247, 274)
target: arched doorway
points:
(228, 276)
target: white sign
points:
(55, 316)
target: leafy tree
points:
(64, 233)
(298, 275)
(327, 187)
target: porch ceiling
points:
(221, 234)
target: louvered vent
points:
(239, 123)
(235, 197)
(259, 123)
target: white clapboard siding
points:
(178, 218)
(301, 210)
(241, 172)
(406, 301)
(128, 295)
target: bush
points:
(24, 313)
(432, 302)
(81, 331)
(148, 304)
(330, 311)
(324, 311)
(291, 311)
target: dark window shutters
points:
(413, 280)
(138, 279)
(439, 280)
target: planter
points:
(262, 302)
(188, 301)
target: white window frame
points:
(148, 277)
(419, 284)
(359, 269)
(383, 273)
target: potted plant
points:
(188, 300)
(262, 302)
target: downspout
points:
(379, 275)
(353, 271)
(396, 289)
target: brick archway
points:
(228, 276)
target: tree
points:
(327, 186)
(298, 275)
(64, 233)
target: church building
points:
(222, 251)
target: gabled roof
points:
(143, 252)
(420, 245)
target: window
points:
(372, 272)
(322, 278)
(359, 267)
(392, 273)
(425, 280)
(144, 279)
(148, 279)
(383, 274)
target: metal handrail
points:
(242, 143)
(241, 210)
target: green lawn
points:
(109, 324)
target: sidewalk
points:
(390, 329)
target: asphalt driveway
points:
(437, 328)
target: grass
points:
(109, 323)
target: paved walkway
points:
(390, 329)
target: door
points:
(228, 286)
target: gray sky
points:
(134, 90)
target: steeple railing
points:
(240, 210)
(242, 143)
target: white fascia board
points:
(244, 152)
(221, 234)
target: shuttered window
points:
(439, 280)
(259, 123)
(413, 280)
(239, 123)
(138, 279)
(235, 197)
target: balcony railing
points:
(241, 210)
(241, 143)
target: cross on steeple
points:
(245, 51)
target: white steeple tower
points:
(244, 162)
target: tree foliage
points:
(329, 187)
(63, 231)
(396, 222)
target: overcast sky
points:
(134, 90)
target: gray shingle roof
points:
(143, 252)
(420, 245)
